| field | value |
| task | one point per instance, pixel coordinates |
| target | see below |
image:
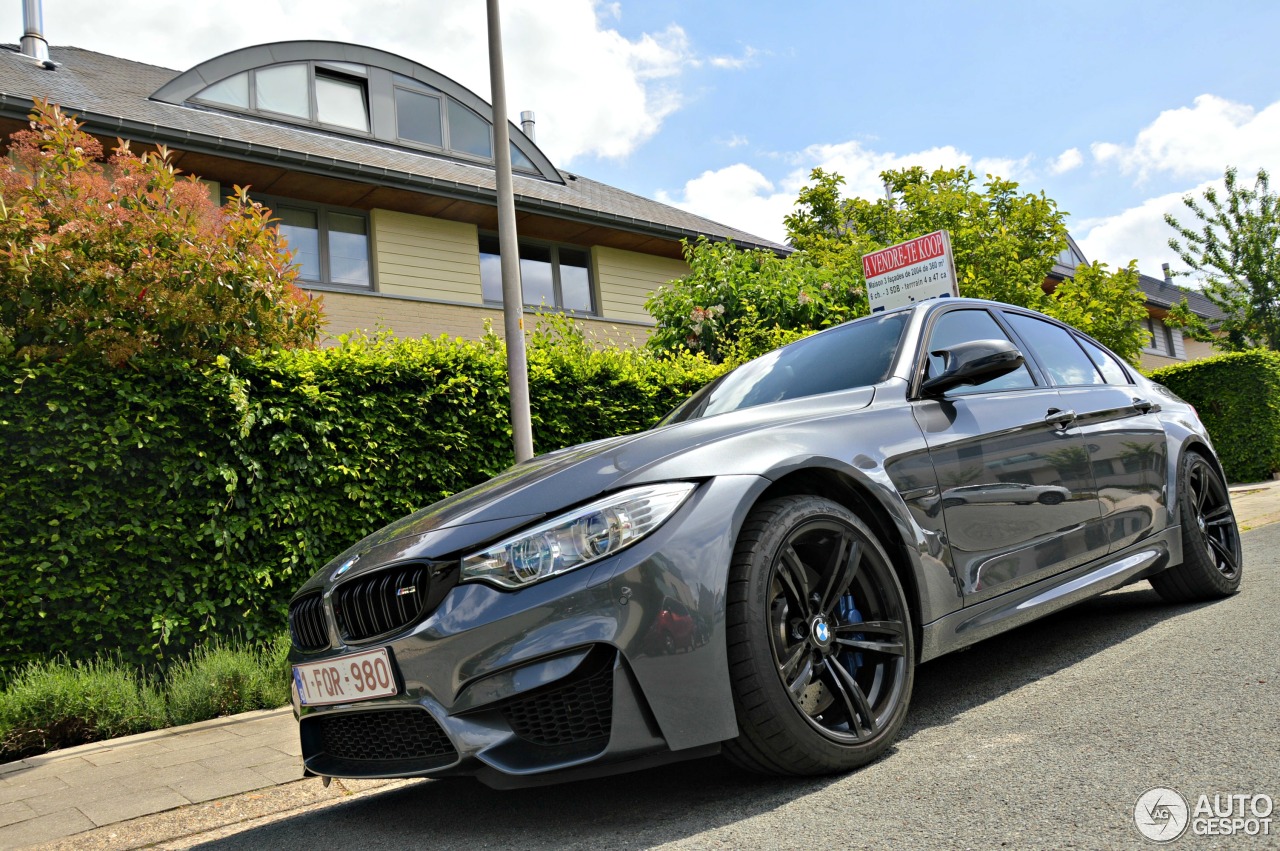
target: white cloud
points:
(1066, 161)
(742, 197)
(735, 63)
(737, 140)
(1199, 141)
(1193, 143)
(1138, 233)
(595, 91)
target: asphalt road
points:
(1044, 737)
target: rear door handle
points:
(1060, 419)
(1142, 405)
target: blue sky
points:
(1114, 109)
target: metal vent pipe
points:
(526, 124)
(33, 43)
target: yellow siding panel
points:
(406, 318)
(626, 278)
(426, 258)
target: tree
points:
(736, 304)
(1005, 244)
(128, 260)
(1236, 248)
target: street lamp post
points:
(509, 249)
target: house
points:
(380, 171)
(1165, 345)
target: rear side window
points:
(1058, 352)
(1107, 364)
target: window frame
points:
(323, 211)
(1039, 381)
(313, 106)
(557, 291)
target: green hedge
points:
(1238, 399)
(146, 510)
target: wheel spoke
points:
(1202, 494)
(840, 573)
(1224, 551)
(802, 679)
(788, 668)
(795, 576)
(893, 628)
(862, 721)
(890, 648)
(1220, 516)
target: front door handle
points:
(1060, 419)
(1142, 405)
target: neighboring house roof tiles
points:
(1165, 294)
(113, 95)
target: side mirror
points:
(973, 363)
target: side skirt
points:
(999, 614)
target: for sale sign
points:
(917, 270)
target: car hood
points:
(559, 480)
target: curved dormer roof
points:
(355, 91)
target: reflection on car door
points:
(1126, 443)
(1001, 434)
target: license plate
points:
(345, 679)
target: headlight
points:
(580, 537)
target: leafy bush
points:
(731, 294)
(150, 509)
(116, 261)
(1238, 398)
(54, 704)
(224, 678)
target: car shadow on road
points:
(952, 684)
(667, 804)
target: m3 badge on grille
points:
(412, 589)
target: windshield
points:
(853, 355)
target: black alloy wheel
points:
(820, 640)
(1211, 557)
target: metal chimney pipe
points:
(526, 124)
(33, 43)
(1168, 276)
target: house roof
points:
(114, 96)
(1165, 294)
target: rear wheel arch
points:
(844, 488)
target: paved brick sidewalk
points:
(66, 792)
(58, 795)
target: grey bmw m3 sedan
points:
(759, 574)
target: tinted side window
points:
(1112, 371)
(961, 326)
(1065, 361)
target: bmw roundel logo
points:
(821, 632)
(346, 565)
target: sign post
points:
(916, 270)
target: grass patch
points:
(58, 704)
(224, 679)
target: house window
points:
(336, 96)
(551, 276)
(330, 246)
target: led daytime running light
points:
(577, 538)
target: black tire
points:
(802, 561)
(1050, 498)
(1211, 560)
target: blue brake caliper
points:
(847, 613)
